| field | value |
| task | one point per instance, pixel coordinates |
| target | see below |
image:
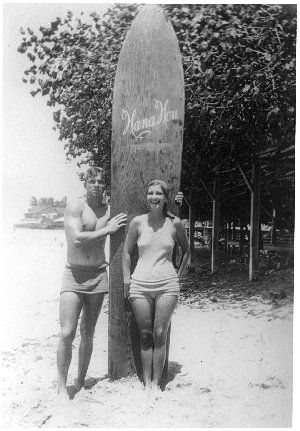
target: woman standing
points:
(153, 288)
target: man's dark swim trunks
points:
(84, 279)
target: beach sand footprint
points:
(270, 382)
(62, 415)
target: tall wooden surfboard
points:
(147, 135)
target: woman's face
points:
(155, 197)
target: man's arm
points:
(74, 227)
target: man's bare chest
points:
(94, 219)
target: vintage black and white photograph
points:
(148, 208)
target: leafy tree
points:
(240, 94)
(62, 202)
(73, 64)
(33, 201)
(43, 201)
(50, 201)
(239, 67)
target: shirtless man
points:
(87, 223)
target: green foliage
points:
(43, 201)
(33, 201)
(239, 63)
(239, 67)
(74, 63)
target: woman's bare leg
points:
(143, 309)
(164, 308)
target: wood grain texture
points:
(147, 134)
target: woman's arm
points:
(183, 243)
(130, 240)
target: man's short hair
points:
(92, 172)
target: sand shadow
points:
(88, 384)
(173, 369)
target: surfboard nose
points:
(153, 19)
(151, 10)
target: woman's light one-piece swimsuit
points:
(154, 272)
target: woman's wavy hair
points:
(165, 189)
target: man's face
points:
(95, 186)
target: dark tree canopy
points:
(239, 67)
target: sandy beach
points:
(230, 356)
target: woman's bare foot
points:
(147, 391)
(79, 384)
(63, 397)
(156, 391)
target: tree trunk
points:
(242, 235)
(191, 267)
(260, 237)
(226, 234)
(273, 229)
(254, 222)
(215, 227)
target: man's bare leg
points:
(91, 308)
(69, 311)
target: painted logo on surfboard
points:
(141, 128)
